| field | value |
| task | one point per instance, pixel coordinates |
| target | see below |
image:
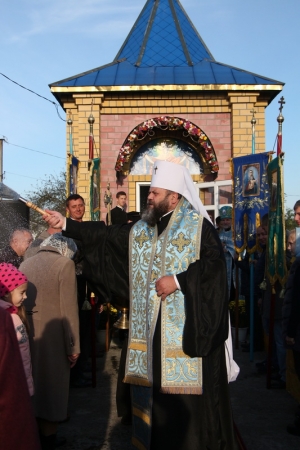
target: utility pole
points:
(1, 159)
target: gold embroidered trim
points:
(181, 390)
(176, 352)
(138, 346)
(141, 415)
(138, 444)
(136, 380)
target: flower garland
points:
(165, 123)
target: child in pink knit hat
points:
(13, 285)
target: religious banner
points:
(95, 189)
(276, 262)
(250, 199)
(73, 174)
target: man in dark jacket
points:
(118, 214)
(19, 242)
(75, 207)
(291, 314)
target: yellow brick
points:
(70, 106)
(239, 118)
(243, 99)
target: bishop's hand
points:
(54, 219)
(165, 286)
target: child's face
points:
(18, 295)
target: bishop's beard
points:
(152, 214)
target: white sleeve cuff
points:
(177, 284)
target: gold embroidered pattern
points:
(180, 242)
(142, 238)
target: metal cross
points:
(282, 102)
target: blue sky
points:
(43, 41)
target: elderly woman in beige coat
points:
(53, 317)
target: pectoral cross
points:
(155, 169)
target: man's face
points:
(158, 204)
(21, 241)
(291, 242)
(225, 224)
(262, 236)
(76, 209)
(121, 200)
(297, 216)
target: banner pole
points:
(280, 120)
(251, 261)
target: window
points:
(213, 195)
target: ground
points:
(260, 414)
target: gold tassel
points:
(263, 285)
(86, 305)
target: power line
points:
(35, 93)
(32, 150)
(19, 175)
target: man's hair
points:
(297, 205)
(173, 192)
(16, 231)
(218, 220)
(73, 197)
(121, 193)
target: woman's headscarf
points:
(66, 246)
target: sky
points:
(43, 41)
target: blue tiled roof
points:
(163, 36)
(164, 48)
(125, 74)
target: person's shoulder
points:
(295, 267)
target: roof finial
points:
(280, 120)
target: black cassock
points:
(183, 422)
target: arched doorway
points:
(165, 138)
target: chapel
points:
(164, 96)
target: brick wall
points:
(114, 129)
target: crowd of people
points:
(286, 309)
(179, 272)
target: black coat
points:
(205, 287)
(291, 306)
(8, 255)
(118, 216)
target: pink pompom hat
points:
(10, 278)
